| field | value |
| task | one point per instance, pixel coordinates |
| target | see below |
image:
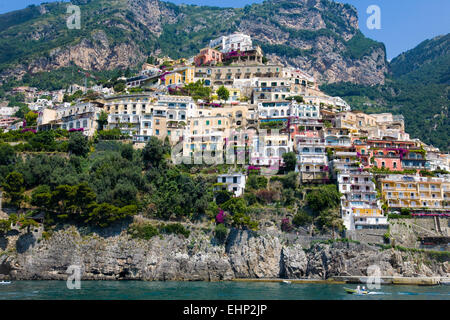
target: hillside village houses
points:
(271, 110)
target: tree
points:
(235, 206)
(31, 118)
(153, 153)
(223, 93)
(44, 140)
(14, 188)
(127, 152)
(151, 60)
(78, 144)
(290, 161)
(104, 214)
(102, 120)
(119, 87)
(299, 99)
(7, 154)
(322, 198)
(256, 182)
(41, 197)
(23, 110)
(222, 196)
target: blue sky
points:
(404, 23)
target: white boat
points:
(5, 282)
(287, 281)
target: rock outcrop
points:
(245, 255)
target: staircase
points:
(437, 225)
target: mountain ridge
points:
(122, 33)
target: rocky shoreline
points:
(245, 255)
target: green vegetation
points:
(221, 233)
(301, 219)
(256, 182)
(359, 46)
(223, 93)
(14, 188)
(144, 231)
(429, 62)
(278, 124)
(323, 198)
(175, 228)
(78, 144)
(290, 161)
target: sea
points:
(143, 290)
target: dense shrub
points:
(256, 182)
(175, 228)
(322, 198)
(221, 233)
(144, 231)
(301, 219)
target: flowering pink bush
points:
(28, 130)
(220, 218)
(286, 225)
(76, 130)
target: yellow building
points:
(237, 114)
(180, 76)
(414, 192)
(206, 133)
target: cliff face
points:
(320, 36)
(198, 258)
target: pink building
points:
(208, 56)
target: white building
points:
(360, 207)
(312, 161)
(145, 128)
(232, 182)
(40, 104)
(268, 150)
(82, 116)
(8, 111)
(129, 124)
(233, 42)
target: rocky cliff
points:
(320, 36)
(245, 255)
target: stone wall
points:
(367, 235)
(405, 232)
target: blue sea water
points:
(142, 290)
